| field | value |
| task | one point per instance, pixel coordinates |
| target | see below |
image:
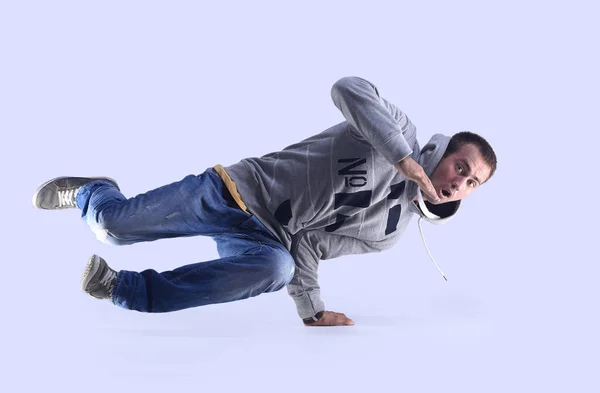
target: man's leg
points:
(253, 262)
(196, 205)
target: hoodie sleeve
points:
(308, 247)
(372, 118)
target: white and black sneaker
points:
(98, 278)
(60, 193)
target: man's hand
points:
(411, 169)
(331, 318)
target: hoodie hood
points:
(429, 157)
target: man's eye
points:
(471, 183)
(459, 168)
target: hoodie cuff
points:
(396, 149)
(309, 304)
(315, 318)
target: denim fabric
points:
(253, 260)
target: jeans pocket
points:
(244, 225)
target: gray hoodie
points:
(337, 192)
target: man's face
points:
(459, 174)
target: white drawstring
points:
(431, 216)
(427, 248)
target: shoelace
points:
(432, 216)
(108, 281)
(67, 197)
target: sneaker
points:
(60, 193)
(98, 278)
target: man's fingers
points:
(343, 320)
(333, 319)
(411, 169)
(429, 190)
(431, 196)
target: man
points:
(351, 189)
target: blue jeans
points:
(253, 260)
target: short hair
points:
(466, 137)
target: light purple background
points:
(148, 92)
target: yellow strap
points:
(230, 184)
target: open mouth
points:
(446, 193)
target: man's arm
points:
(304, 287)
(382, 125)
(308, 247)
(372, 118)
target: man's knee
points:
(109, 230)
(281, 268)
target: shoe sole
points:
(92, 267)
(37, 191)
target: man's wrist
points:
(314, 318)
